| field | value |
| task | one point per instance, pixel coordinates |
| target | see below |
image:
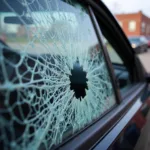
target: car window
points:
(121, 73)
(53, 76)
(114, 57)
(144, 40)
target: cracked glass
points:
(53, 77)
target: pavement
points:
(143, 142)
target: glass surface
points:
(114, 57)
(53, 77)
(121, 73)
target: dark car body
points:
(139, 43)
(59, 88)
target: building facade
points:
(134, 24)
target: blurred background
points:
(128, 6)
(134, 18)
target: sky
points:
(128, 6)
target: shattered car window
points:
(53, 77)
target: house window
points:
(143, 26)
(147, 29)
(132, 26)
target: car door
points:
(58, 88)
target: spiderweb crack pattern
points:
(37, 107)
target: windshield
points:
(134, 40)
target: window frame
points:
(106, 56)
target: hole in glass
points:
(78, 80)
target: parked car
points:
(148, 38)
(139, 43)
(65, 89)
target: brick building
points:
(134, 24)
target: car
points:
(148, 38)
(140, 43)
(62, 86)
